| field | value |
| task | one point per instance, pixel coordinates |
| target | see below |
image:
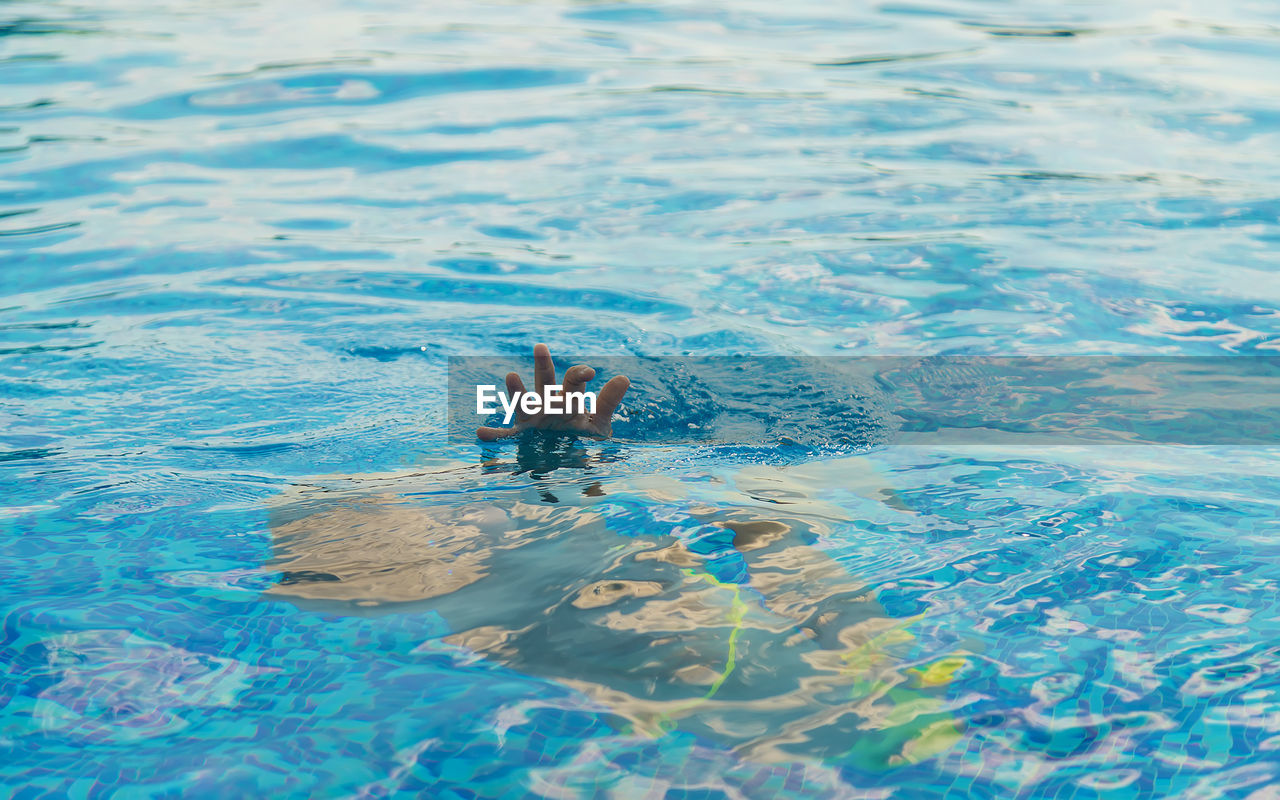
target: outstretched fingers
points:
(576, 378)
(515, 388)
(609, 398)
(544, 369)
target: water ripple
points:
(315, 88)
(239, 243)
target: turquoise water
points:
(240, 239)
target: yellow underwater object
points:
(914, 725)
(940, 672)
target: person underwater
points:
(703, 606)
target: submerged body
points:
(705, 608)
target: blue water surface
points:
(239, 241)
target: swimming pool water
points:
(240, 240)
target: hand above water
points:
(597, 424)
